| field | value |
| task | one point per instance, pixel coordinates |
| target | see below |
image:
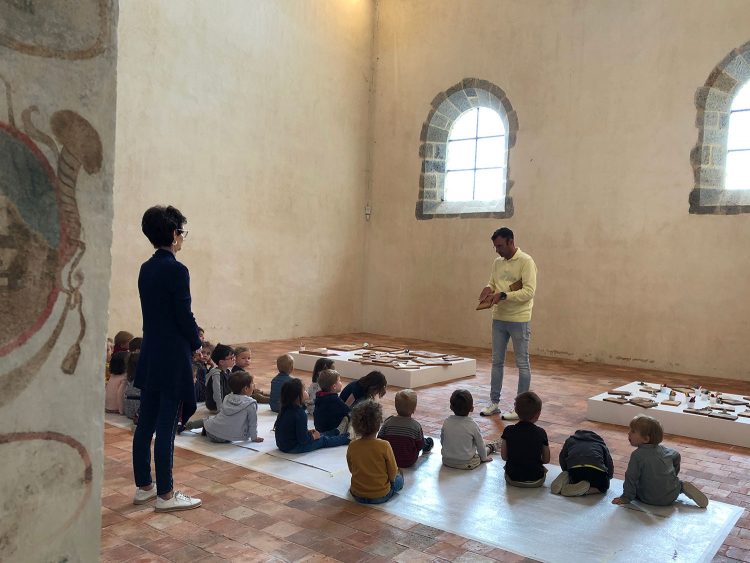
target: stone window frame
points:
(446, 107)
(708, 157)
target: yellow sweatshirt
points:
(517, 306)
(373, 467)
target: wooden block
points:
(703, 412)
(318, 352)
(618, 400)
(485, 304)
(622, 393)
(682, 389)
(425, 354)
(725, 409)
(733, 402)
(346, 347)
(671, 403)
(643, 402)
(452, 358)
(724, 415)
(391, 349)
(746, 414)
(648, 389)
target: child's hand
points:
(258, 439)
(620, 500)
(315, 434)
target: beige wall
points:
(604, 95)
(252, 119)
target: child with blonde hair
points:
(242, 363)
(651, 476)
(403, 433)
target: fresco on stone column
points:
(57, 88)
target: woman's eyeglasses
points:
(182, 232)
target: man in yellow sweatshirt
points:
(511, 291)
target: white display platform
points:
(406, 378)
(674, 421)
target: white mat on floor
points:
(478, 504)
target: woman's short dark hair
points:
(159, 224)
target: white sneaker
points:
(695, 494)
(142, 496)
(489, 410)
(510, 415)
(179, 501)
(343, 426)
(559, 482)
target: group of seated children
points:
(120, 395)
(651, 476)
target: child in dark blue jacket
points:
(330, 411)
(285, 365)
(292, 435)
(587, 466)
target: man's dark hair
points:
(503, 232)
(239, 380)
(221, 352)
(528, 405)
(159, 224)
(461, 402)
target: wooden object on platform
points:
(643, 402)
(324, 352)
(432, 361)
(684, 389)
(725, 409)
(453, 358)
(621, 393)
(346, 347)
(724, 415)
(649, 389)
(618, 400)
(733, 402)
(391, 349)
(671, 403)
(745, 414)
(425, 354)
(703, 412)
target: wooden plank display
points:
(703, 412)
(643, 402)
(618, 400)
(453, 358)
(746, 414)
(346, 347)
(425, 354)
(733, 402)
(432, 362)
(648, 389)
(671, 403)
(391, 349)
(622, 393)
(324, 352)
(724, 415)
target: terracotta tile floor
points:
(249, 516)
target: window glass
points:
(459, 186)
(490, 152)
(461, 155)
(490, 123)
(465, 127)
(738, 171)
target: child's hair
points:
(373, 383)
(406, 402)
(285, 363)
(122, 338)
(366, 417)
(118, 364)
(200, 329)
(221, 352)
(135, 344)
(240, 349)
(528, 405)
(327, 379)
(239, 380)
(648, 427)
(320, 365)
(132, 364)
(461, 402)
(207, 346)
(291, 393)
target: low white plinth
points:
(407, 378)
(674, 421)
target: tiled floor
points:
(249, 516)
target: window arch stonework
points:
(446, 107)
(708, 157)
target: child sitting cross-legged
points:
(115, 389)
(587, 466)
(330, 411)
(651, 476)
(238, 418)
(312, 390)
(292, 435)
(217, 380)
(285, 365)
(375, 475)
(242, 363)
(403, 432)
(524, 445)
(463, 445)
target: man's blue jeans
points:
(158, 415)
(502, 332)
(396, 485)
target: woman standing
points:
(164, 374)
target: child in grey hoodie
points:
(651, 476)
(238, 418)
(587, 466)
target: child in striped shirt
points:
(403, 432)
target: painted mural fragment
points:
(41, 239)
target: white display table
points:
(674, 421)
(407, 378)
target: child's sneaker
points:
(695, 494)
(429, 443)
(494, 447)
(489, 410)
(142, 496)
(559, 482)
(575, 489)
(343, 426)
(179, 501)
(510, 415)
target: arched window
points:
(466, 141)
(738, 142)
(475, 161)
(721, 157)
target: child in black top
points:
(524, 446)
(330, 411)
(587, 466)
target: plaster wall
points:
(252, 119)
(604, 95)
(57, 147)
